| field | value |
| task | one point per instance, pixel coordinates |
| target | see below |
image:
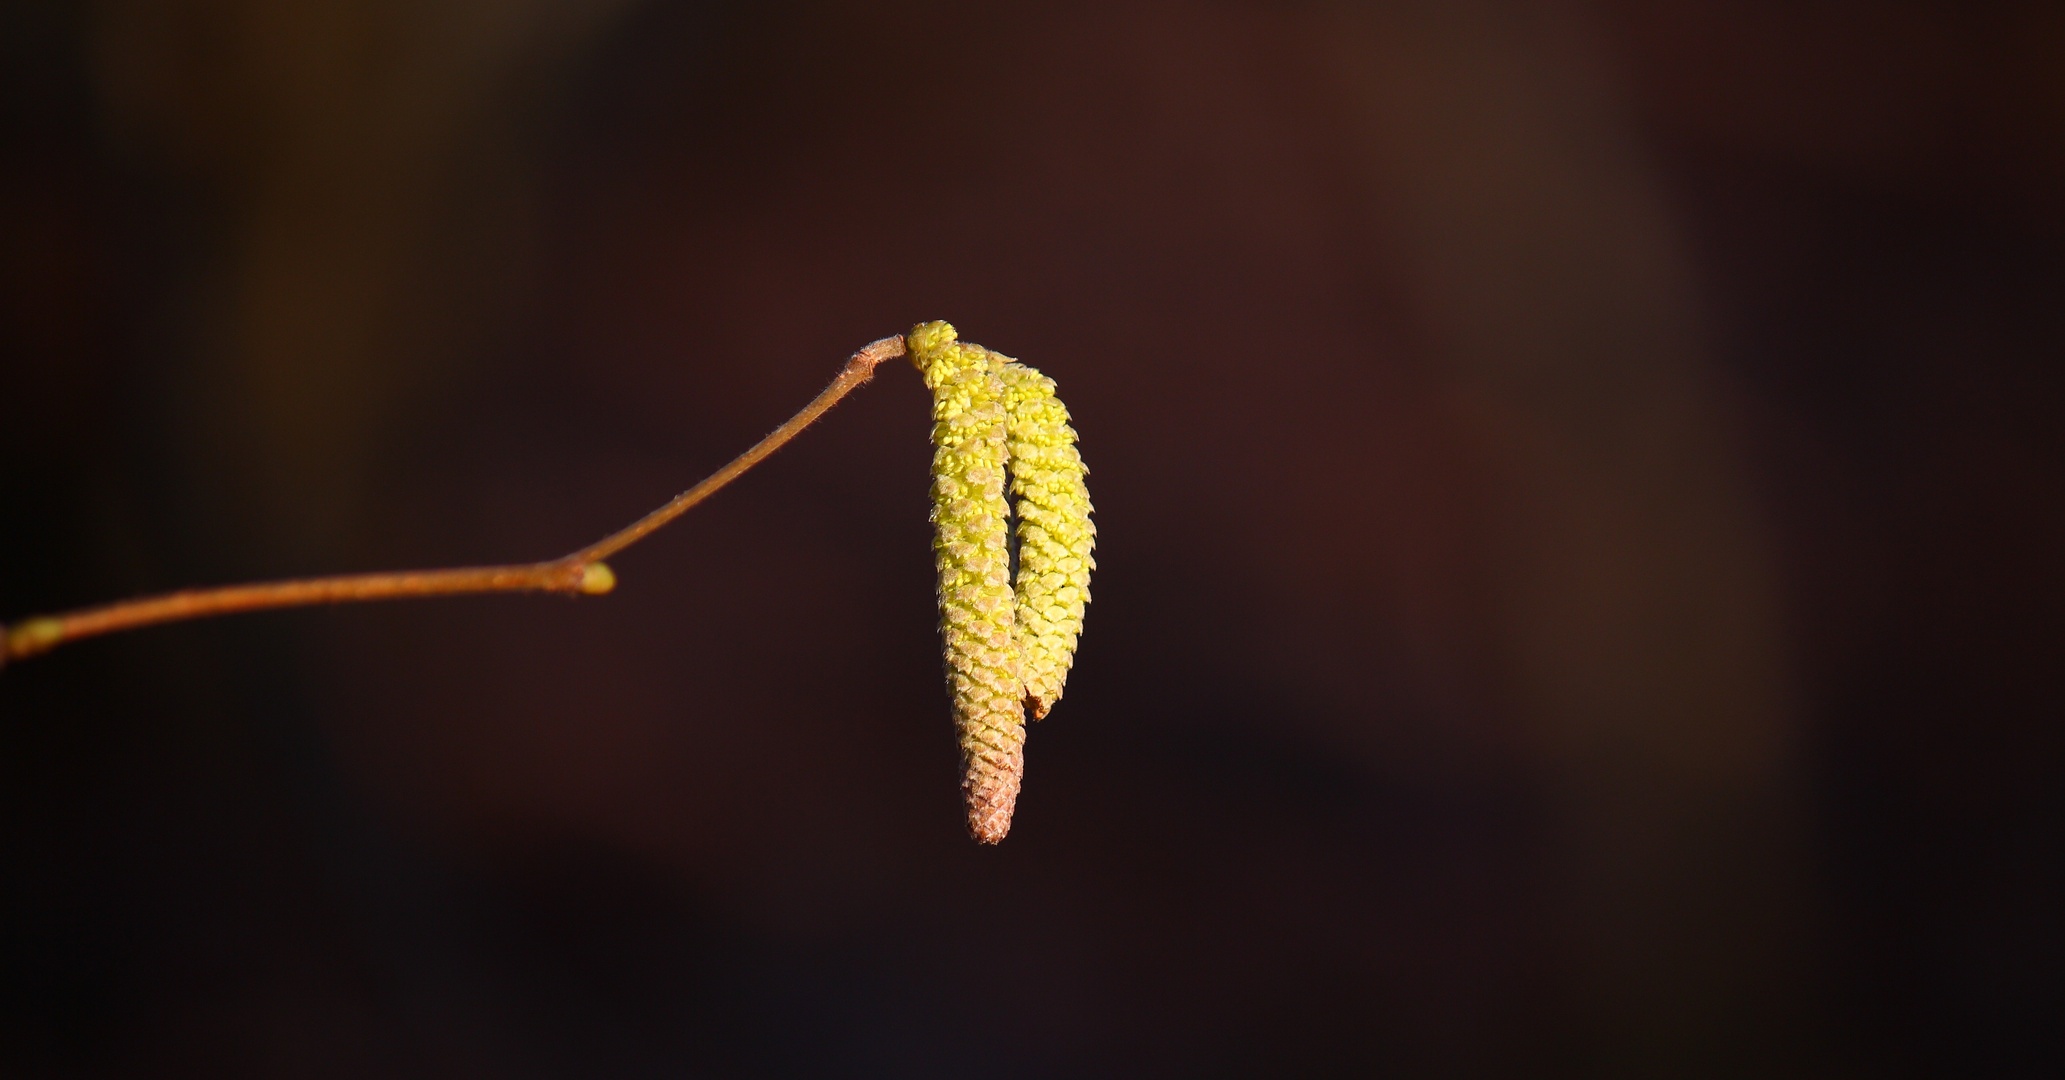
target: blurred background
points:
(1580, 490)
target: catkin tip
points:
(991, 802)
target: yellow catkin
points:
(1055, 534)
(970, 548)
(1006, 649)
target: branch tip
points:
(34, 636)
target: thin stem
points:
(581, 572)
(859, 369)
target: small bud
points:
(36, 635)
(597, 578)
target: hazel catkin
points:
(971, 552)
(1055, 533)
(1008, 644)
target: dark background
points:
(1580, 491)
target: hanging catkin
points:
(1055, 534)
(976, 607)
(1004, 650)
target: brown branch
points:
(579, 573)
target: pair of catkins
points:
(1008, 642)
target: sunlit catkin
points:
(1006, 651)
(970, 547)
(1055, 534)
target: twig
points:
(581, 573)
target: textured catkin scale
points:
(1055, 534)
(1006, 648)
(976, 604)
